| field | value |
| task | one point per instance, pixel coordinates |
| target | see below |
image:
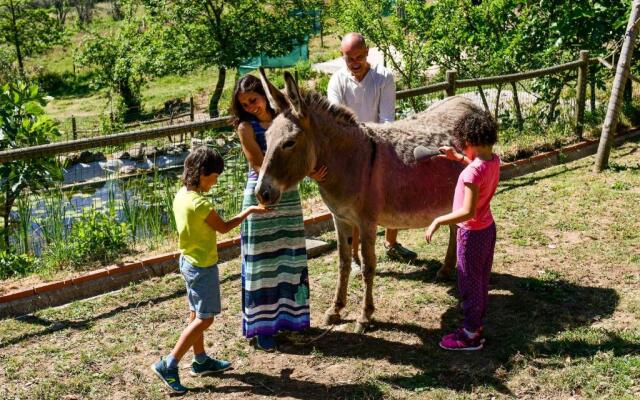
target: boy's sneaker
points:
(210, 366)
(460, 341)
(170, 377)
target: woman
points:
(275, 280)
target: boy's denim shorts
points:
(203, 288)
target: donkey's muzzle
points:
(266, 193)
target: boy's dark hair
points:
(202, 160)
(247, 83)
(477, 129)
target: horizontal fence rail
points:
(110, 140)
(448, 86)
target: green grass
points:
(563, 320)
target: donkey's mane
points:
(342, 114)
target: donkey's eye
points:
(288, 144)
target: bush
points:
(94, 237)
(15, 264)
(97, 237)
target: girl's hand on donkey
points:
(450, 153)
(320, 174)
(431, 230)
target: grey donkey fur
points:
(373, 178)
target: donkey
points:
(373, 178)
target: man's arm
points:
(387, 111)
(334, 91)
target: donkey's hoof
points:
(445, 274)
(361, 327)
(331, 318)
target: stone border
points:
(120, 275)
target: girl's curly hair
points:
(201, 161)
(477, 129)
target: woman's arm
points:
(466, 212)
(250, 146)
(222, 226)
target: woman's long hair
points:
(247, 83)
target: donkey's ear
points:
(276, 98)
(293, 94)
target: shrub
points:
(97, 237)
(15, 264)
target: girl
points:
(275, 282)
(476, 229)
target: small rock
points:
(127, 169)
(220, 142)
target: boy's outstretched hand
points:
(259, 209)
(320, 174)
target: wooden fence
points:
(449, 87)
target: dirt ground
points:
(563, 319)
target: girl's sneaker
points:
(459, 340)
(210, 366)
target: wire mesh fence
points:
(133, 175)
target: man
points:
(370, 92)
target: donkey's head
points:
(290, 152)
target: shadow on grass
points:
(283, 385)
(524, 311)
(55, 325)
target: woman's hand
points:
(431, 230)
(320, 174)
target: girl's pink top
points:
(485, 175)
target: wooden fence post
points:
(451, 80)
(516, 106)
(581, 98)
(615, 101)
(192, 111)
(74, 127)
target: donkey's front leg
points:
(343, 232)
(368, 250)
(448, 269)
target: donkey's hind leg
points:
(368, 249)
(343, 232)
(447, 271)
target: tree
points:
(615, 102)
(84, 8)
(124, 58)
(225, 33)
(23, 123)
(29, 30)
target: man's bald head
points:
(352, 41)
(354, 51)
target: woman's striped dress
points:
(275, 280)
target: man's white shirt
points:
(372, 100)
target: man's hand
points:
(259, 209)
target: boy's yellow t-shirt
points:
(197, 240)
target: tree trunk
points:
(615, 101)
(16, 38)
(116, 10)
(217, 93)
(516, 106)
(592, 90)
